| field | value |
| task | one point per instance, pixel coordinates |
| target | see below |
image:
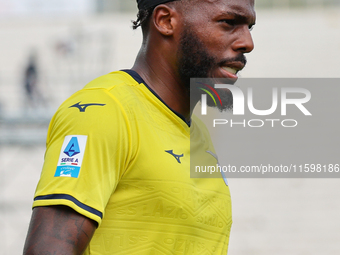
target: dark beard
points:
(194, 61)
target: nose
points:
(244, 41)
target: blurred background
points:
(50, 49)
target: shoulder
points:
(98, 107)
(102, 95)
(120, 88)
(112, 80)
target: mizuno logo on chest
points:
(177, 157)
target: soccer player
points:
(116, 174)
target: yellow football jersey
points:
(117, 154)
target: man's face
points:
(214, 38)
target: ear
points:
(165, 19)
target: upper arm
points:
(87, 153)
(58, 230)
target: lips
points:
(230, 70)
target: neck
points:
(157, 69)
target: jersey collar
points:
(139, 79)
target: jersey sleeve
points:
(88, 149)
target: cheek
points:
(220, 45)
(215, 39)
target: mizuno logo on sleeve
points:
(82, 107)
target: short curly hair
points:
(143, 16)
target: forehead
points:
(212, 8)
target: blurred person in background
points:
(116, 176)
(33, 95)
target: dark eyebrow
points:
(241, 19)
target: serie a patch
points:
(71, 156)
